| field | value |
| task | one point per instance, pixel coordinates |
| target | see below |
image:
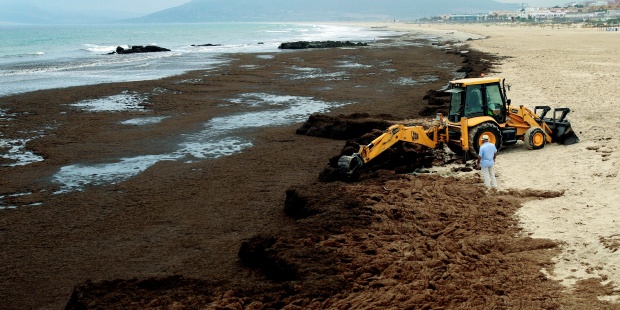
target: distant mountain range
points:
(317, 10)
(201, 11)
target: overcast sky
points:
(137, 6)
(150, 6)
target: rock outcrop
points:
(319, 44)
(141, 49)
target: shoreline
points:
(88, 63)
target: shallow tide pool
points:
(220, 136)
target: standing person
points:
(486, 160)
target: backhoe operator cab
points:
(479, 106)
(482, 101)
(474, 100)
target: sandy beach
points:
(260, 229)
(570, 67)
(574, 68)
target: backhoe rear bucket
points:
(348, 164)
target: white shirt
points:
(487, 152)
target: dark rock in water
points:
(318, 44)
(208, 44)
(141, 49)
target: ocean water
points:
(35, 57)
(44, 57)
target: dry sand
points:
(570, 67)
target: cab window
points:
(494, 97)
(473, 105)
(495, 105)
(455, 104)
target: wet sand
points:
(256, 229)
(178, 218)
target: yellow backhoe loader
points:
(478, 106)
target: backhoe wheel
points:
(475, 137)
(534, 138)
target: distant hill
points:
(317, 10)
(200, 11)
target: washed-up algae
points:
(385, 240)
(267, 228)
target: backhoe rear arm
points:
(395, 133)
(431, 137)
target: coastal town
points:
(593, 13)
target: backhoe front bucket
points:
(562, 132)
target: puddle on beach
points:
(421, 80)
(4, 206)
(189, 81)
(144, 120)
(74, 177)
(265, 56)
(250, 67)
(15, 150)
(333, 76)
(160, 90)
(126, 101)
(221, 136)
(352, 65)
(5, 115)
(315, 73)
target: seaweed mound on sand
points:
(361, 129)
(343, 127)
(389, 239)
(410, 242)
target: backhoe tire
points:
(534, 138)
(475, 137)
